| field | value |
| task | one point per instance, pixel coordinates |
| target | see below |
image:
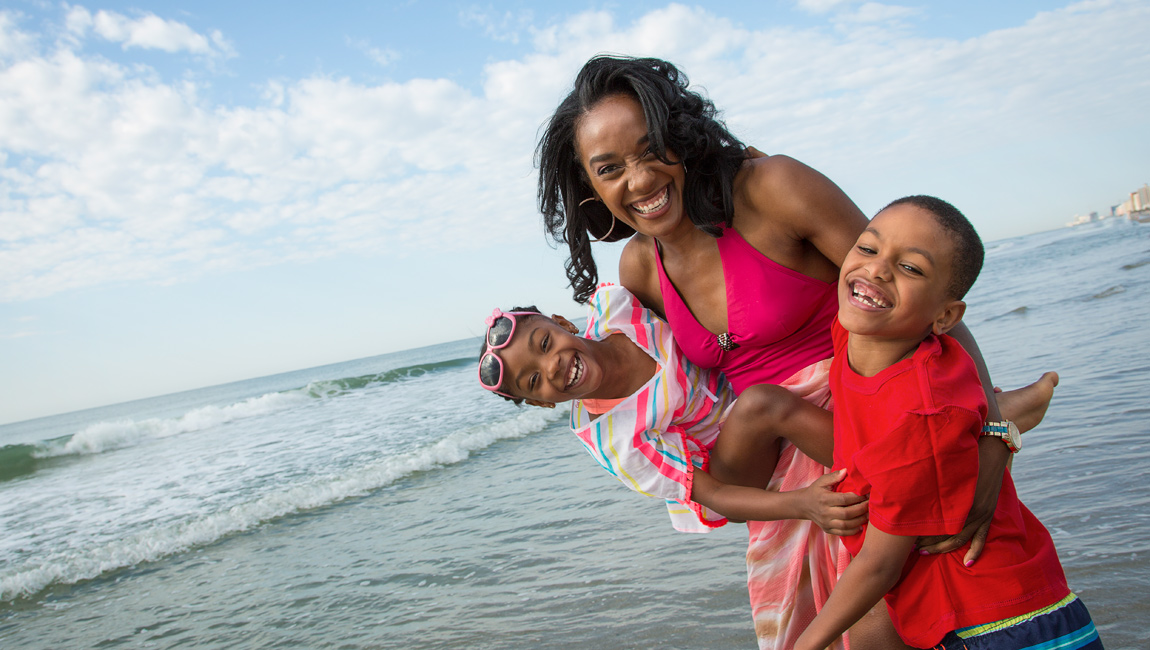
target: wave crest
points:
(332, 387)
(117, 434)
(158, 542)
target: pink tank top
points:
(779, 318)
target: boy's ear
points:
(535, 402)
(950, 316)
(564, 323)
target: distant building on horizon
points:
(1080, 219)
(1137, 207)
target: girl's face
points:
(547, 362)
(638, 188)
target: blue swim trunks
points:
(1065, 625)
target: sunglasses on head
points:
(500, 329)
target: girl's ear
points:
(564, 323)
(535, 402)
(950, 316)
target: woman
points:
(740, 253)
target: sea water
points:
(391, 503)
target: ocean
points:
(389, 502)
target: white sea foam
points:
(117, 434)
(998, 247)
(159, 542)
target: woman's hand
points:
(992, 458)
(1025, 407)
(836, 513)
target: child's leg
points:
(874, 631)
(1026, 406)
(746, 451)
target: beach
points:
(390, 502)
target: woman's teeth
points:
(655, 204)
(575, 373)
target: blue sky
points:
(196, 193)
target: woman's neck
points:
(684, 240)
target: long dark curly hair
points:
(678, 120)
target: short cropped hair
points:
(968, 251)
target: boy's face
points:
(894, 282)
(547, 362)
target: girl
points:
(652, 419)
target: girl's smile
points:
(547, 363)
(575, 374)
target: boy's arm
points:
(837, 514)
(867, 579)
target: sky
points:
(198, 193)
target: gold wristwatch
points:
(1005, 430)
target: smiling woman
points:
(629, 178)
(626, 123)
(740, 252)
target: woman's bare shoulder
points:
(637, 272)
(794, 196)
(778, 182)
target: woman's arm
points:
(796, 216)
(638, 274)
(866, 580)
(993, 459)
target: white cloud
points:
(147, 31)
(110, 174)
(505, 27)
(874, 12)
(856, 12)
(13, 42)
(822, 6)
(381, 57)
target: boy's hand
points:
(836, 513)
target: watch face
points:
(1013, 436)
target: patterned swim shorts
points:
(1065, 625)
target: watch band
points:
(1006, 431)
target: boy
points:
(909, 409)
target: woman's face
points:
(637, 187)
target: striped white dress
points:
(653, 440)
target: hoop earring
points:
(613, 220)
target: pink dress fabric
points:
(781, 321)
(780, 318)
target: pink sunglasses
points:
(500, 329)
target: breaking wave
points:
(74, 566)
